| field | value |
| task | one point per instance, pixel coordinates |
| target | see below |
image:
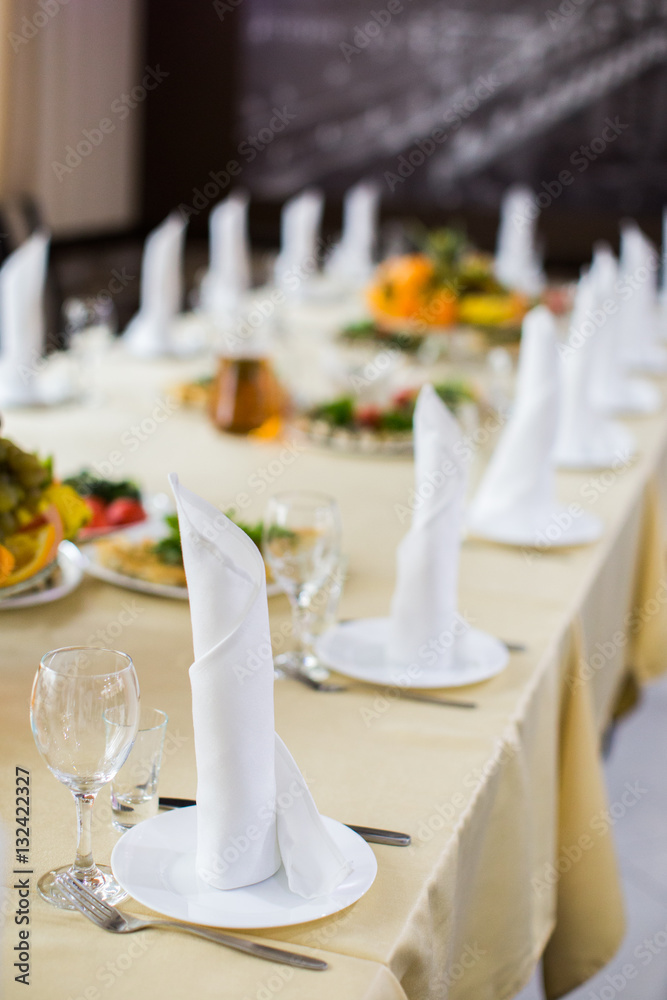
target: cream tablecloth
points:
(511, 850)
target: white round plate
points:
(71, 575)
(581, 530)
(359, 649)
(154, 530)
(155, 863)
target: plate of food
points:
(346, 424)
(113, 503)
(37, 515)
(147, 557)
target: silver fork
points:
(111, 919)
(408, 693)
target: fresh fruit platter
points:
(37, 513)
(448, 284)
(112, 504)
(347, 424)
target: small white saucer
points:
(559, 531)
(359, 649)
(155, 863)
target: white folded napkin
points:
(151, 332)
(424, 603)
(613, 390)
(228, 276)
(518, 265)
(299, 232)
(586, 439)
(254, 809)
(662, 295)
(516, 500)
(351, 261)
(22, 328)
(638, 317)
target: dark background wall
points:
(516, 88)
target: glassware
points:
(134, 788)
(245, 394)
(90, 325)
(301, 543)
(74, 689)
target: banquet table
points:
(511, 856)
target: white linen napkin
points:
(299, 232)
(424, 603)
(517, 264)
(22, 328)
(638, 318)
(254, 808)
(586, 439)
(613, 390)
(151, 332)
(516, 500)
(351, 260)
(228, 275)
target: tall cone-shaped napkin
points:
(352, 259)
(642, 348)
(150, 333)
(586, 439)
(254, 809)
(22, 279)
(228, 276)
(425, 642)
(299, 231)
(516, 500)
(517, 263)
(613, 390)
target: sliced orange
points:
(7, 562)
(32, 551)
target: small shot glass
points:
(134, 789)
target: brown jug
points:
(245, 394)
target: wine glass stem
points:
(83, 863)
(300, 603)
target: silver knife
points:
(369, 833)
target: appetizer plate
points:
(155, 530)
(359, 649)
(155, 863)
(24, 595)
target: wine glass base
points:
(285, 663)
(101, 882)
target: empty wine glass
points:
(301, 542)
(75, 690)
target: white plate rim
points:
(71, 567)
(304, 910)
(583, 530)
(434, 678)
